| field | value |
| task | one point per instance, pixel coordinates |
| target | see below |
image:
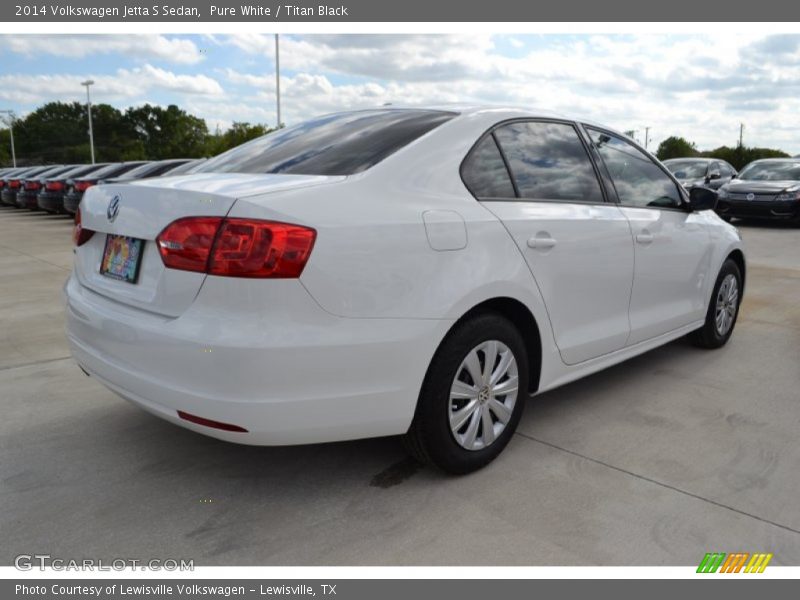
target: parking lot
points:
(653, 462)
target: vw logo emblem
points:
(751, 196)
(113, 209)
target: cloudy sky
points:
(698, 86)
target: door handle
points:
(644, 238)
(542, 241)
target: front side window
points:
(338, 144)
(484, 171)
(638, 180)
(548, 161)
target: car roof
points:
(694, 158)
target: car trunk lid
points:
(143, 210)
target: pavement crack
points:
(658, 483)
(34, 363)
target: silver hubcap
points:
(727, 301)
(483, 395)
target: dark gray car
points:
(707, 172)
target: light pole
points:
(10, 114)
(646, 137)
(278, 79)
(87, 83)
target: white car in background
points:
(394, 271)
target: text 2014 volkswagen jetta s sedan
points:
(394, 271)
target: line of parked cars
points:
(764, 189)
(58, 189)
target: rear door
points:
(672, 245)
(577, 245)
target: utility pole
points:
(87, 83)
(10, 114)
(741, 134)
(646, 137)
(278, 80)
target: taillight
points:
(54, 186)
(32, 185)
(185, 244)
(82, 186)
(80, 235)
(236, 247)
(14, 183)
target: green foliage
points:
(675, 147)
(5, 148)
(741, 155)
(238, 134)
(58, 132)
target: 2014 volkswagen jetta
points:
(394, 271)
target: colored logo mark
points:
(736, 562)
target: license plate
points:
(122, 257)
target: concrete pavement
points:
(653, 462)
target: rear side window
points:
(548, 161)
(339, 144)
(484, 171)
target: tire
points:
(431, 438)
(711, 335)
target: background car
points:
(155, 168)
(709, 172)
(394, 271)
(10, 173)
(13, 183)
(188, 167)
(76, 187)
(764, 189)
(26, 196)
(51, 194)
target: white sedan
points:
(394, 271)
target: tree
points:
(56, 132)
(167, 133)
(742, 155)
(238, 134)
(675, 147)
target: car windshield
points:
(687, 169)
(338, 144)
(772, 171)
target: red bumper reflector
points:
(209, 423)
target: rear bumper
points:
(71, 202)
(50, 201)
(8, 197)
(27, 199)
(759, 209)
(260, 355)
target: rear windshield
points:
(339, 144)
(115, 169)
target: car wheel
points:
(722, 310)
(472, 397)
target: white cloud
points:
(126, 84)
(148, 47)
(700, 87)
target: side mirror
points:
(702, 198)
(714, 175)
